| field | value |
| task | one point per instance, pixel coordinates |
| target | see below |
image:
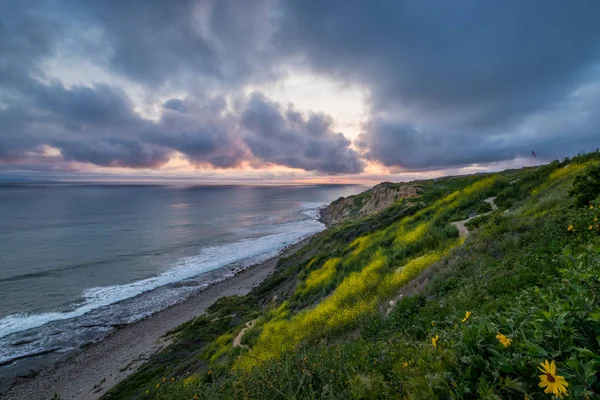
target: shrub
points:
(586, 186)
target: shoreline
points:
(91, 371)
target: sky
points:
(303, 91)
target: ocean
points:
(76, 261)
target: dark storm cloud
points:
(151, 42)
(449, 82)
(202, 134)
(101, 105)
(113, 152)
(159, 43)
(156, 42)
(98, 125)
(286, 137)
(24, 39)
(175, 104)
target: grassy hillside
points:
(399, 305)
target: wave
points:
(313, 209)
(247, 251)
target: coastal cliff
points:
(461, 279)
(394, 292)
(368, 202)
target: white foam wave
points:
(209, 258)
(312, 209)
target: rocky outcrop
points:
(368, 202)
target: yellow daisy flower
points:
(467, 315)
(555, 384)
(434, 341)
(503, 339)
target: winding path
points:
(237, 342)
(417, 284)
(460, 225)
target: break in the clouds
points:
(454, 84)
(135, 84)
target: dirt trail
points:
(237, 342)
(417, 284)
(492, 202)
(460, 225)
(462, 229)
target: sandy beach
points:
(93, 370)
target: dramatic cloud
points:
(24, 40)
(209, 42)
(450, 83)
(98, 125)
(204, 132)
(286, 137)
(138, 83)
(158, 42)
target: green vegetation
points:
(396, 305)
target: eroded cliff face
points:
(368, 202)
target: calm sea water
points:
(76, 260)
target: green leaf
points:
(535, 350)
(587, 353)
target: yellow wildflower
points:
(590, 227)
(164, 379)
(157, 385)
(553, 383)
(405, 364)
(434, 341)
(570, 228)
(467, 315)
(432, 323)
(595, 219)
(172, 379)
(503, 339)
(591, 207)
